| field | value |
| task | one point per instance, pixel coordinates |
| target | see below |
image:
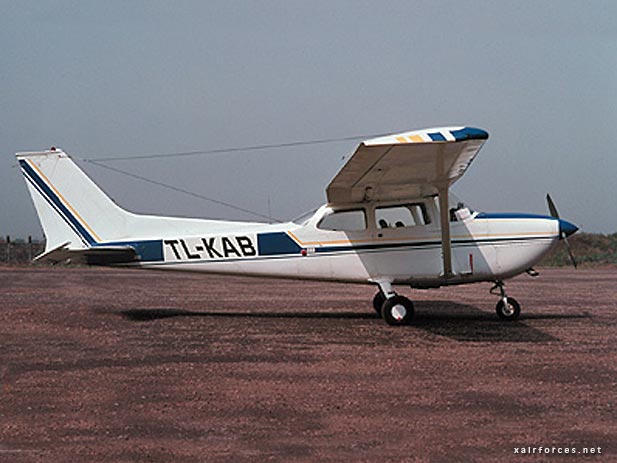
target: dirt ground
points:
(101, 365)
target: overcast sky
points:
(133, 78)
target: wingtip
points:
(53, 151)
(470, 133)
(431, 135)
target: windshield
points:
(458, 203)
(305, 216)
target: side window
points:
(353, 220)
(408, 215)
(395, 216)
(419, 210)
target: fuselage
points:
(360, 244)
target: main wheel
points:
(509, 311)
(378, 301)
(396, 311)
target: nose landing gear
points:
(507, 308)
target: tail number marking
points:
(212, 248)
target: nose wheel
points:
(507, 308)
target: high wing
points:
(406, 165)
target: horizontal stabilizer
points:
(55, 255)
(99, 255)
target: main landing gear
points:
(395, 310)
(507, 308)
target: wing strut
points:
(446, 245)
(443, 188)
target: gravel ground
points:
(122, 366)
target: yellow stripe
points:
(401, 139)
(66, 203)
(424, 238)
(416, 138)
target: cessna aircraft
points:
(389, 221)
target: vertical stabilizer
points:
(71, 208)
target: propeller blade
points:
(551, 207)
(562, 236)
(572, 259)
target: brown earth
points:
(121, 366)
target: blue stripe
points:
(469, 133)
(437, 136)
(512, 215)
(51, 196)
(53, 206)
(276, 244)
(147, 250)
(270, 244)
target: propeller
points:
(565, 228)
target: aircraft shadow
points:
(460, 322)
(141, 315)
(464, 322)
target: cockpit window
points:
(407, 215)
(350, 220)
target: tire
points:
(397, 311)
(378, 301)
(510, 313)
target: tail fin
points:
(71, 208)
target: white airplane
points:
(389, 220)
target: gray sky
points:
(131, 78)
